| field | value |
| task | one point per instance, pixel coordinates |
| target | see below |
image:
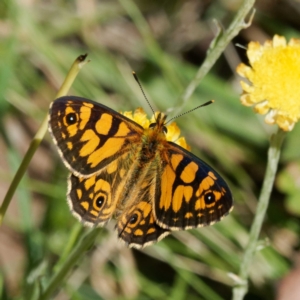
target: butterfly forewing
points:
(89, 135)
(189, 193)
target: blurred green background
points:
(39, 41)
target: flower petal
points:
(272, 80)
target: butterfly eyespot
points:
(100, 201)
(133, 219)
(209, 198)
(71, 118)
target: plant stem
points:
(217, 47)
(83, 245)
(75, 68)
(240, 290)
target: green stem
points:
(86, 242)
(217, 47)
(75, 68)
(75, 233)
(240, 290)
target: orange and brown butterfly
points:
(126, 166)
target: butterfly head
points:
(160, 123)
(157, 127)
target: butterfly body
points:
(121, 169)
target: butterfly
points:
(119, 168)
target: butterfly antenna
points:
(204, 104)
(137, 80)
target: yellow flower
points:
(274, 76)
(139, 116)
(173, 131)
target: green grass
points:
(164, 44)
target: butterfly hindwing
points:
(137, 227)
(94, 200)
(90, 135)
(90, 199)
(189, 193)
